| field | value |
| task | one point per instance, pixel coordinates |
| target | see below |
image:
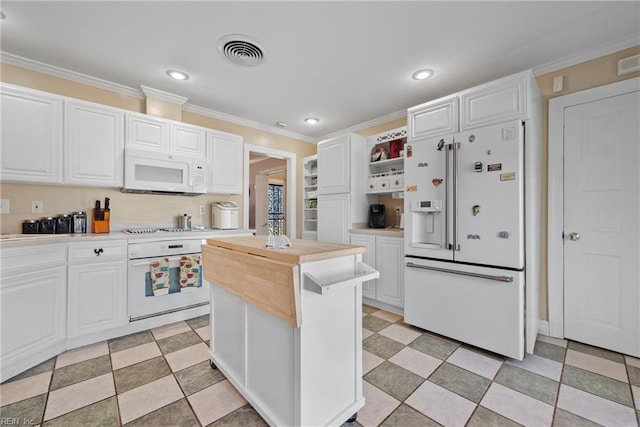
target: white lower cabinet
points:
(33, 295)
(97, 287)
(389, 257)
(369, 257)
(385, 254)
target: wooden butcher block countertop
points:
(267, 278)
(301, 251)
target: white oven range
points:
(143, 303)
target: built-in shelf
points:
(310, 195)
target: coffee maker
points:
(376, 216)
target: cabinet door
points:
(334, 218)
(334, 166)
(188, 140)
(31, 136)
(97, 297)
(94, 145)
(389, 258)
(494, 102)
(369, 258)
(147, 132)
(433, 118)
(224, 155)
(33, 312)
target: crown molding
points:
(587, 55)
(366, 125)
(245, 122)
(163, 96)
(51, 70)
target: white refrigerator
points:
(465, 237)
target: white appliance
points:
(224, 215)
(162, 173)
(464, 236)
(142, 303)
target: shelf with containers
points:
(386, 162)
(310, 197)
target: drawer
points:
(397, 182)
(372, 184)
(29, 258)
(97, 251)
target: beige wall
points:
(128, 209)
(587, 75)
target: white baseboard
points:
(543, 327)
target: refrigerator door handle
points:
(447, 244)
(454, 212)
(507, 279)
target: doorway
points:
(270, 199)
(594, 206)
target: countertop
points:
(19, 240)
(391, 232)
(301, 251)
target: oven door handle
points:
(147, 261)
(507, 279)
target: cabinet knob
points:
(98, 251)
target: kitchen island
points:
(287, 326)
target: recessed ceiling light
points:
(281, 124)
(422, 74)
(311, 121)
(178, 75)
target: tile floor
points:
(162, 377)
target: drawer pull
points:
(98, 251)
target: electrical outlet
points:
(4, 206)
(202, 209)
(36, 206)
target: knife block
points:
(100, 222)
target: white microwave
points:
(162, 173)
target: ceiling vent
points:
(241, 50)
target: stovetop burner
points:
(140, 230)
(155, 230)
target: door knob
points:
(574, 236)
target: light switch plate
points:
(4, 206)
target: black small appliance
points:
(376, 216)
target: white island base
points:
(305, 371)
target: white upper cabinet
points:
(433, 118)
(188, 139)
(224, 157)
(31, 136)
(147, 132)
(494, 102)
(94, 144)
(158, 134)
(334, 161)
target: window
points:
(275, 218)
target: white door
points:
(602, 223)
